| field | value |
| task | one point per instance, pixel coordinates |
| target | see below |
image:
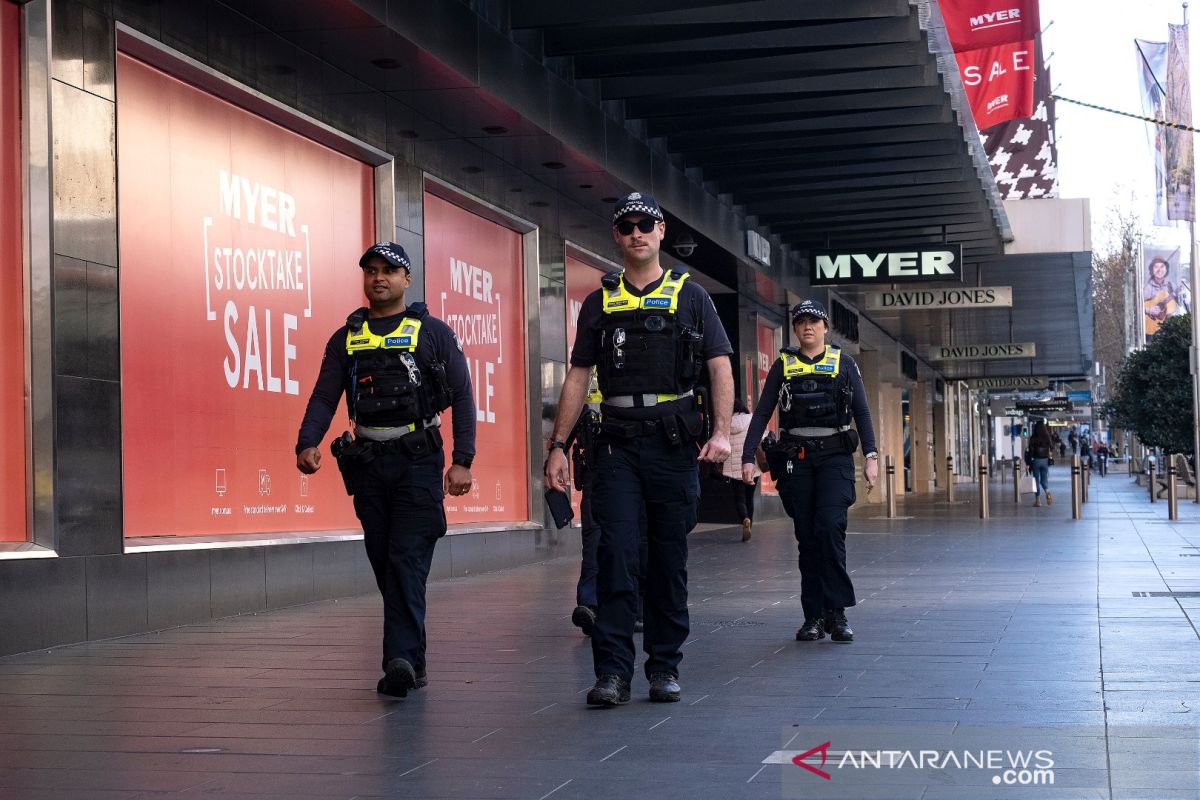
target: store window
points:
(239, 253)
(474, 281)
(12, 316)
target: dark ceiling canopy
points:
(830, 123)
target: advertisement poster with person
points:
(474, 282)
(12, 336)
(769, 343)
(1164, 289)
(582, 280)
(239, 258)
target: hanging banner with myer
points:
(982, 352)
(941, 262)
(926, 299)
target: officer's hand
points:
(715, 449)
(748, 474)
(309, 461)
(556, 470)
(458, 480)
(871, 472)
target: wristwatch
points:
(872, 455)
(465, 463)
(554, 443)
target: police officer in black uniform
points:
(400, 368)
(819, 391)
(651, 334)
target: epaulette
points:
(418, 310)
(793, 350)
(355, 321)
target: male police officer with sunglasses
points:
(400, 368)
(650, 333)
(819, 392)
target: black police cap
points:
(390, 252)
(809, 308)
(637, 203)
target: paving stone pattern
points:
(1026, 618)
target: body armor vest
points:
(811, 396)
(644, 349)
(389, 389)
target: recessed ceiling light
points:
(553, 164)
(387, 63)
(279, 69)
(407, 134)
(608, 199)
(494, 130)
(472, 170)
(539, 204)
(516, 189)
(585, 186)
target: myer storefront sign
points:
(982, 352)
(1012, 382)
(925, 299)
(758, 248)
(941, 262)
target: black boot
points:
(397, 679)
(664, 688)
(812, 629)
(838, 627)
(610, 690)
(584, 618)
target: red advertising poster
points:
(973, 24)
(769, 343)
(582, 280)
(473, 281)
(12, 335)
(239, 258)
(999, 82)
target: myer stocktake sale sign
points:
(239, 247)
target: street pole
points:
(1194, 350)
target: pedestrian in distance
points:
(399, 367)
(651, 333)
(819, 391)
(731, 470)
(1037, 462)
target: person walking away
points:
(819, 391)
(1039, 462)
(743, 493)
(400, 367)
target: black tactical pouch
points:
(850, 439)
(421, 443)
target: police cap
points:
(390, 252)
(809, 308)
(637, 203)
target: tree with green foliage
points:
(1152, 395)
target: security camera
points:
(684, 245)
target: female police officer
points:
(819, 390)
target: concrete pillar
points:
(941, 440)
(868, 363)
(921, 432)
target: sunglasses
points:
(625, 227)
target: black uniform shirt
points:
(848, 371)
(436, 342)
(694, 309)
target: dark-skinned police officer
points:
(400, 368)
(819, 391)
(651, 334)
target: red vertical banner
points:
(998, 82)
(973, 24)
(239, 258)
(769, 344)
(474, 281)
(12, 317)
(582, 280)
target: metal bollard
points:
(983, 487)
(1016, 481)
(1085, 481)
(949, 479)
(1076, 505)
(1153, 499)
(1172, 491)
(890, 484)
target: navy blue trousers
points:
(399, 503)
(816, 494)
(645, 475)
(585, 590)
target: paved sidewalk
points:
(1027, 619)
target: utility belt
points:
(678, 428)
(795, 448)
(353, 455)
